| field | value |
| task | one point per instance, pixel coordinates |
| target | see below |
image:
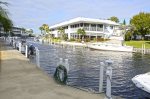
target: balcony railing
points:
(87, 29)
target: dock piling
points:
(20, 46)
(144, 48)
(60, 60)
(37, 57)
(101, 75)
(67, 65)
(26, 51)
(109, 77)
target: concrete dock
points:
(21, 79)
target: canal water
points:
(84, 68)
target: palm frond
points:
(4, 19)
(4, 3)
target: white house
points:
(17, 31)
(93, 28)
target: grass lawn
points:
(138, 44)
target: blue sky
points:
(34, 13)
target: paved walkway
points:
(20, 79)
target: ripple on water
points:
(84, 68)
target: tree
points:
(45, 31)
(5, 22)
(128, 36)
(141, 22)
(81, 32)
(115, 19)
(48, 32)
(41, 29)
(62, 33)
(124, 22)
(46, 28)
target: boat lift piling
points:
(66, 63)
(73, 47)
(26, 50)
(60, 60)
(143, 48)
(37, 57)
(20, 46)
(14, 44)
(108, 74)
(101, 75)
(108, 78)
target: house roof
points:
(82, 19)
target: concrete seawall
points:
(20, 79)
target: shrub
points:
(128, 36)
(100, 39)
(95, 40)
(72, 39)
(65, 37)
(87, 40)
(78, 40)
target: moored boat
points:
(142, 81)
(110, 47)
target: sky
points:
(33, 13)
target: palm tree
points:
(45, 31)
(46, 36)
(5, 22)
(62, 32)
(81, 32)
(41, 29)
(48, 32)
(45, 27)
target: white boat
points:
(142, 81)
(110, 47)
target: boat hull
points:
(142, 81)
(111, 47)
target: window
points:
(86, 26)
(66, 27)
(93, 27)
(81, 24)
(75, 26)
(72, 26)
(99, 27)
(111, 27)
